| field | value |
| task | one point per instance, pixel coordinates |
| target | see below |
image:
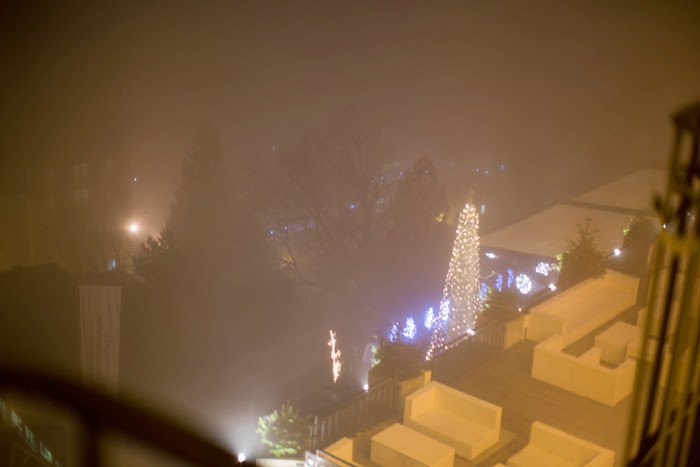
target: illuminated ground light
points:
(241, 457)
(366, 387)
(616, 252)
(134, 228)
(491, 255)
(523, 283)
(552, 287)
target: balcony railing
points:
(103, 414)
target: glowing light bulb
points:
(523, 283)
(241, 457)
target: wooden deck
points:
(502, 377)
(505, 381)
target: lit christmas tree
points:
(461, 302)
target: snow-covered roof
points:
(631, 192)
(610, 208)
(546, 232)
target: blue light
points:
(409, 330)
(499, 282)
(352, 206)
(484, 289)
(429, 318)
(510, 278)
(445, 310)
(394, 332)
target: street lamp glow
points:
(616, 252)
(241, 457)
(552, 287)
(366, 387)
(134, 228)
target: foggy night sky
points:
(567, 94)
(575, 90)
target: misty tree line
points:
(329, 211)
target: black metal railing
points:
(30, 447)
(321, 458)
(380, 402)
(103, 414)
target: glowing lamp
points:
(241, 457)
(616, 252)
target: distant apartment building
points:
(71, 211)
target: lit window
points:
(16, 420)
(85, 194)
(84, 170)
(483, 208)
(29, 435)
(45, 453)
(76, 173)
(76, 196)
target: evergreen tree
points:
(211, 231)
(501, 305)
(461, 300)
(285, 432)
(419, 203)
(396, 359)
(582, 260)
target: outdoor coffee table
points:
(399, 445)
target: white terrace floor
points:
(504, 379)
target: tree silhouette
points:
(398, 360)
(501, 305)
(582, 260)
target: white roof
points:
(633, 191)
(546, 232)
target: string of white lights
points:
(461, 302)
